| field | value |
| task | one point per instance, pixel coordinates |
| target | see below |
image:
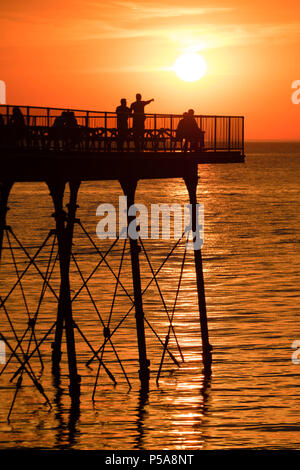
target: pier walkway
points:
(89, 149)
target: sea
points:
(251, 268)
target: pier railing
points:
(96, 131)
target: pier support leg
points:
(57, 193)
(191, 184)
(64, 231)
(129, 187)
(5, 187)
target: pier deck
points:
(90, 150)
(29, 165)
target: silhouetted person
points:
(17, 118)
(57, 131)
(72, 129)
(59, 121)
(138, 108)
(70, 119)
(17, 124)
(180, 131)
(123, 113)
(66, 130)
(191, 131)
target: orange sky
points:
(89, 54)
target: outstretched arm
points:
(149, 101)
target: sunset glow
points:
(89, 55)
(149, 229)
(190, 67)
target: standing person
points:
(17, 118)
(56, 133)
(123, 113)
(180, 131)
(192, 132)
(17, 123)
(71, 129)
(138, 108)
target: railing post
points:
(28, 116)
(243, 138)
(171, 134)
(201, 135)
(48, 117)
(87, 119)
(155, 137)
(105, 131)
(229, 131)
(215, 136)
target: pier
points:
(90, 151)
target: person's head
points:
(16, 110)
(138, 97)
(184, 114)
(191, 112)
(123, 102)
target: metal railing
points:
(96, 131)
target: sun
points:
(190, 67)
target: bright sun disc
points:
(190, 67)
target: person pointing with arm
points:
(138, 109)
